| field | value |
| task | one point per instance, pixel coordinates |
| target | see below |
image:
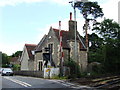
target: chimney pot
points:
(70, 15)
(59, 23)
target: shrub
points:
(74, 68)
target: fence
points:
(47, 73)
(30, 73)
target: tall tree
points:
(90, 12)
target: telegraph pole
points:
(75, 31)
(73, 5)
(86, 32)
(75, 28)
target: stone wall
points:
(29, 73)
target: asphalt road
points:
(32, 83)
(28, 82)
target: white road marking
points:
(68, 84)
(71, 85)
(19, 82)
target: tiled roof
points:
(14, 59)
(30, 48)
(66, 36)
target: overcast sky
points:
(26, 21)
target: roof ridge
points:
(61, 30)
(41, 41)
(30, 45)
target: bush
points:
(16, 67)
(74, 68)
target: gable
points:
(24, 55)
(30, 48)
(40, 44)
(50, 37)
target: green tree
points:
(17, 54)
(110, 32)
(95, 49)
(90, 11)
(108, 29)
(95, 41)
(5, 60)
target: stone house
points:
(51, 43)
(27, 58)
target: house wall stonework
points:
(24, 60)
(31, 65)
(83, 60)
(53, 40)
(81, 56)
(38, 57)
(66, 54)
(72, 50)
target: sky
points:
(26, 21)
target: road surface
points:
(28, 83)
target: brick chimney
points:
(72, 26)
(70, 15)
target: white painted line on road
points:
(19, 82)
(23, 83)
(71, 85)
(63, 83)
(15, 81)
